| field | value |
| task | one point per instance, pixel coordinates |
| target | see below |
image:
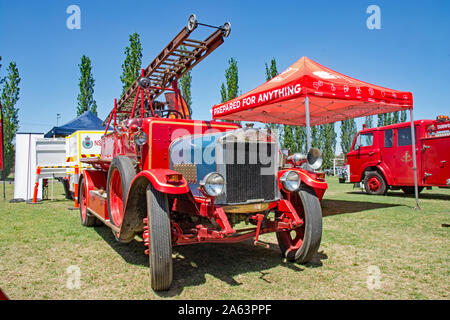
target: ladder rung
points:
(194, 45)
(183, 51)
(195, 41)
(183, 56)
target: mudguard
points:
(159, 179)
(136, 204)
(93, 180)
(386, 173)
(307, 178)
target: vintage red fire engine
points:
(381, 158)
(178, 181)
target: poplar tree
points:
(403, 116)
(86, 83)
(272, 71)
(348, 133)
(395, 117)
(229, 90)
(288, 139)
(131, 67)
(369, 122)
(10, 114)
(328, 139)
(185, 84)
(300, 139)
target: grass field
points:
(373, 247)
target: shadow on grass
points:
(401, 194)
(332, 207)
(223, 261)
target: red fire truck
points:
(177, 181)
(381, 158)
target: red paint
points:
(308, 178)
(95, 180)
(153, 162)
(394, 160)
(333, 97)
(116, 197)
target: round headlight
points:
(140, 138)
(213, 184)
(290, 180)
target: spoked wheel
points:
(160, 242)
(120, 175)
(302, 243)
(87, 218)
(374, 183)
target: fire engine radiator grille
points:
(247, 172)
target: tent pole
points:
(308, 125)
(413, 139)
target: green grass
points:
(410, 249)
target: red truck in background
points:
(381, 158)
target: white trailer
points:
(33, 150)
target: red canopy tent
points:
(332, 97)
(308, 93)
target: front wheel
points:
(160, 241)
(374, 183)
(302, 243)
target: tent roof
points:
(332, 97)
(86, 121)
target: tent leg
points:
(308, 125)
(413, 140)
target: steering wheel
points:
(169, 111)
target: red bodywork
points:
(193, 218)
(390, 153)
(154, 166)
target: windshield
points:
(363, 140)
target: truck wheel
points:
(87, 218)
(302, 243)
(160, 242)
(374, 183)
(410, 190)
(120, 175)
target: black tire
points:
(66, 185)
(410, 190)
(127, 173)
(160, 248)
(374, 183)
(87, 218)
(308, 208)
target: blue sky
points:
(411, 52)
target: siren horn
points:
(314, 158)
